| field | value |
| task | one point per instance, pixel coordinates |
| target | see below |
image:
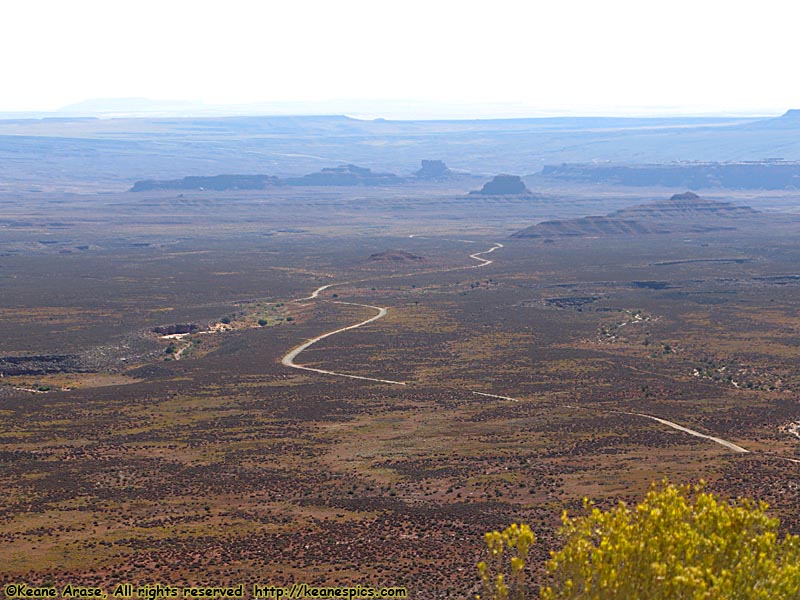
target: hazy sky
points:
(601, 56)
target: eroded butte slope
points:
(685, 212)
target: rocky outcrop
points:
(433, 170)
(177, 328)
(344, 175)
(504, 185)
(215, 183)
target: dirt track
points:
(288, 360)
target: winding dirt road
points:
(289, 361)
(485, 261)
(316, 292)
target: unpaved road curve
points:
(485, 261)
(316, 292)
(288, 361)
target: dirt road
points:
(289, 361)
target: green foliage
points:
(262, 322)
(680, 543)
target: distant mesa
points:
(684, 196)
(331, 176)
(215, 183)
(344, 175)
(788, 121)
(394, 256)
(685, 212)
(588, 227)
(687, 205)
(433, 170)
(504, 185)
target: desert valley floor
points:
(155, 430)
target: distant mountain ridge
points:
(104, 107)
(125, 150)
(772, 174)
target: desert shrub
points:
(679, 543)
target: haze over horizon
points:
(418, 60)
(390, 109)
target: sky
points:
(534, 56)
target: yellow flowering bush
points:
(680, 543)
(503, 577)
